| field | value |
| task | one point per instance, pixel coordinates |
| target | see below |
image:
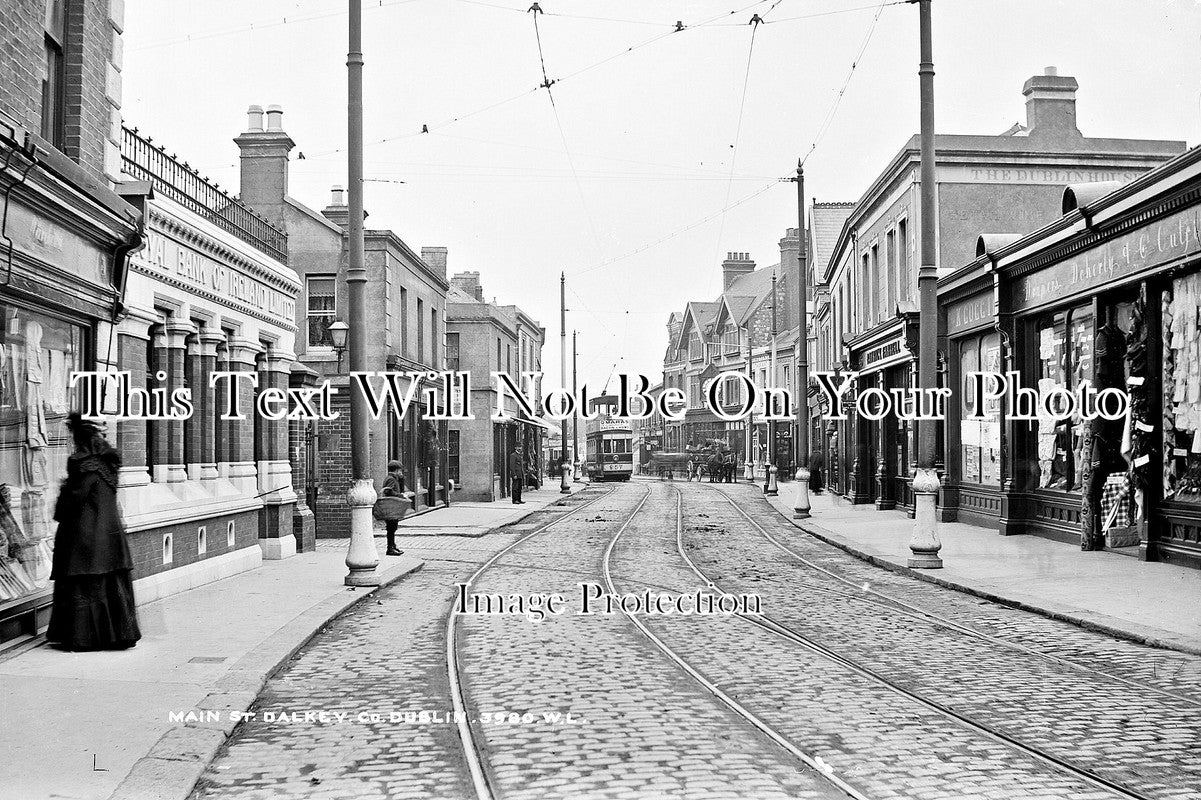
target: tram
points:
(610, 454)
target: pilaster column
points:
(276, 536)
(242, 355)
(172, 357)
(133, 344)
(200, 435)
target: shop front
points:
(972, 489)
(62, 262)
(877, 454)
(1107, 298)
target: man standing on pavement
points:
(516, 473)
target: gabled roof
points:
(696, 315)
(825, 223)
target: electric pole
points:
(361, 557)
(565, 482)
(801, 509)
(925, 544)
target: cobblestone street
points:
(847, 680)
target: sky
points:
(661, 151)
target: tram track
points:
(739, 709)
(868, 595)
(809, 778)
(473, 752)
(793, 636)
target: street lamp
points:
(337, 337)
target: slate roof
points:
(825, 224)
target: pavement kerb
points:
(173, 766)
(1101, 623)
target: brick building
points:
(63, 264)
(406, 296)
(483, 338)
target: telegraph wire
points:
(683, 230)
(262, 26)
(825, 126)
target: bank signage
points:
(166, 258)
(1172, 238)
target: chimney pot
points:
(1052, 71)
(275, 118)
(254, 119)
(336, 197)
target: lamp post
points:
(925, 544)
(361, 557)
(801, 509)
(337, 336)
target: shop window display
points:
(1182, 390)
(1065, 350)
(980, 440)
(38, 353)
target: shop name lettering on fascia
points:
(202, 271)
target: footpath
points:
(1153, 603)
(142, 724)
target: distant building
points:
(483, 338)
(406, 295)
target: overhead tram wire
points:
(825, 126)
(821, 132)
(427, 128)
(262, 26)
(683, 230)
(746, 79)
(534, 11)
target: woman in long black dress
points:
(93, 595)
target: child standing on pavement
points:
(394, 486)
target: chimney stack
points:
(435, 258)
(469, 283)
(734, 267)
(337, 211)
(1051, 105)
(264, 176)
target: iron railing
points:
(144, 160)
